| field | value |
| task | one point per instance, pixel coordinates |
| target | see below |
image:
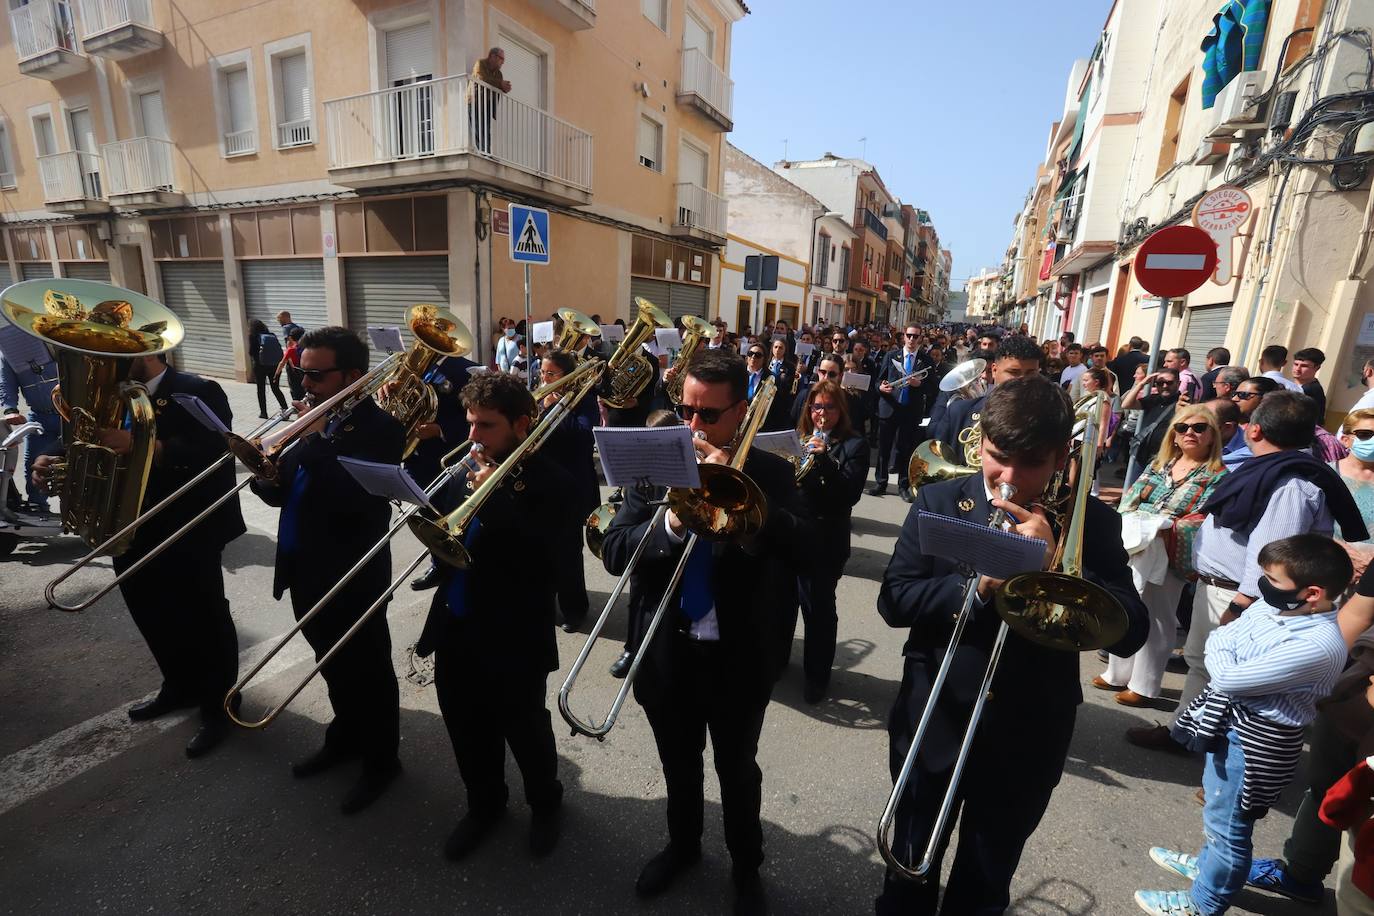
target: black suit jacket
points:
(510, 585)
(780, 413)
(958, 417)
(570, 446)
(745, 584)
(891, 369)
(451, 375)
(338, 521)
(832, 489)
(188, 447)
(922, 593)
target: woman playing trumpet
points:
(830, 489)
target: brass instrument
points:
(1057, 608)
(597, 524)
(965, 381)
(445, 535)
(910, 378)
(804, 465)
(727, 505)
(408, 397)
(971, 439)
(101, 491)
(698, 330)
(575, 327)
(629, 370)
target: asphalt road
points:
(100, 815)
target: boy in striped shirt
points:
(1268, 670)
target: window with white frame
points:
(657, 12)
(237, 116)
(823, 260)
(291, 81)
(650, 143)
(6, 158)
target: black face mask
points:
(1284, 599)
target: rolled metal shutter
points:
(687, 300)
(379, 291)
(656, 291)
(1097, 311)
(87, 270)
(194, 291)
(35, 270)
(5, 278)
(295, 286)
(1206, 329)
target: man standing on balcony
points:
(482, 100)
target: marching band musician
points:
(1028, 720)
(828, 368)
(830, 490)
(783, 367)
(713, 664)
(327, 523)
(1017, 356)
(493, 699)
(899, 412)
(177, 600)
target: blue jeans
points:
(1224, 862)
(40, 444)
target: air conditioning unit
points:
(1209, 152)
(1236, 108)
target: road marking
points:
(59, 758)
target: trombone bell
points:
(1060, 611)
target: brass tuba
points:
(101, 491)
(698, 329)
(409, 398)
(629, 371)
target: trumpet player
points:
(901, 403)
(327, 523)
(712, 665)
(1022, 741)
(493, 642)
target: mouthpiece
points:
(699, 434)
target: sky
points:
(956, 99)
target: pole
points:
(1132, 467)
(757, 325)
(530, 372)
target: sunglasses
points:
(709, 415)
(827, 373)
(1198, 428)
(316, 374)
(1244, 395)
(1362, 434)
(837, 340)
(756, 353)
(817, 406)
(911, 335)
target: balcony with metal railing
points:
(454, 128)
(574, 15)
(118, 29)
(300, 132)
(874, 224)
(700, 214)
(45, 40)
(707, 88)
(72, 182)
(140, 173)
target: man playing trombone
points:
(713, 663)
(1021, 743)
(493, 638)
(328, 522)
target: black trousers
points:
(177, 601)
(262, 377)
(998, 807)
(487, 710)
(296, 382)
(817, 594)
(361, 678)
(572, 577)
(898, 436)
(707, 696)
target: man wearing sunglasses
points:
(1246, 397)
(1157, 395)
(829, 369)
(712, 665)
(900, 411)
(327, 523)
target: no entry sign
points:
(1175, 261)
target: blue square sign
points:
(529, 235)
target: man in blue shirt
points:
(26, 367)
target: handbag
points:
(1179, 540)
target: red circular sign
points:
(1175, 261)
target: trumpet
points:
(807, 462)
(727, 505)
(910, 378)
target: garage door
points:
(1206, 329)
(194, 291)
(5, 278)
(677, 299)
(380, 291)
(35, 270)
(87, 270)
(295, 286)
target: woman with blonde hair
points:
(1357, 468)
(1178, 481)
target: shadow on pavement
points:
(872, 527)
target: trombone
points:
(727, 505)
(1057, 608)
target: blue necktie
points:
(905, 394)
(288, 526)
(753, 383)
(457, 593)
(696, 582)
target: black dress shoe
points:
(545, 825)
(158, 706)
(573, 624)
(326, 758)
(878, 489)
(212, 732)
(813, 693)
(659, 872)
(430, 579)
(750, 899)
(621, 666)
(370, 786)
(905, 493)
(469, 834)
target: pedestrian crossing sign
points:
(529, 235)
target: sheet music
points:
(662, 455)
(804, 350)
(543, 332)
(612, 332)
(859, 380)
(668, 338)
(390, 481)
(387, 340)
(784, 443)
(744, 348)
(201, 411)
(991, 552)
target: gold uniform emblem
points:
(966, 505)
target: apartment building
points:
(337, 160)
